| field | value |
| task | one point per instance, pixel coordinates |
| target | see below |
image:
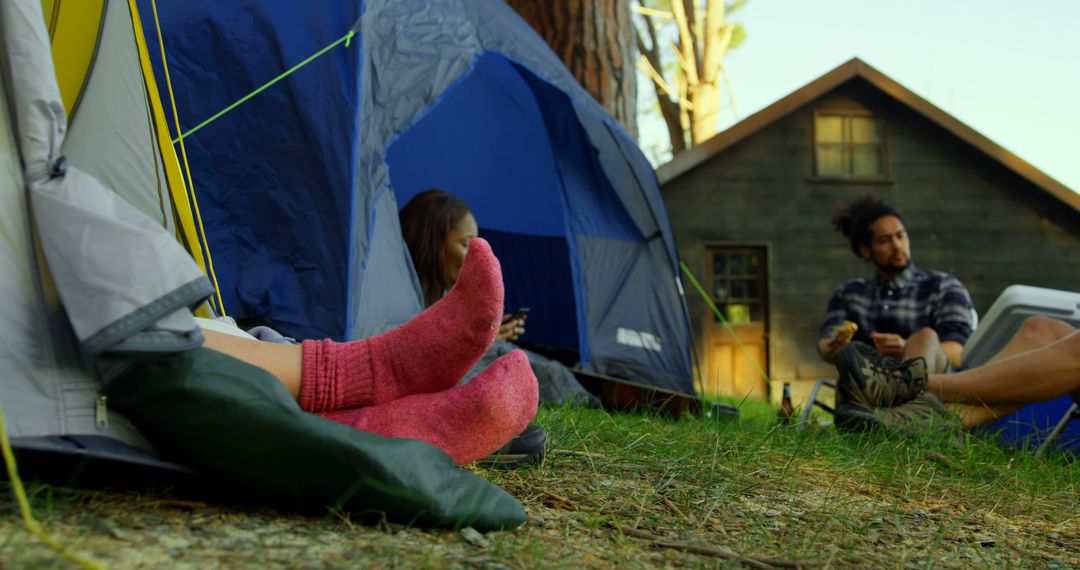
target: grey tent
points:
(122, 275)
(98, 343)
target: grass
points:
(638, 491)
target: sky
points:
(1010, 70)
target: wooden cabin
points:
(751, 210)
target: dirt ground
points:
(585, 511)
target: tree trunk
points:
(706, 94)
(596, 41)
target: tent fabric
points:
(110, 135)
(48, 389)
(132, 303)
(301, 185)
(74, 42)
(275, 160)
(239, 427)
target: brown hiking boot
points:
(872, 380)
(921, 415)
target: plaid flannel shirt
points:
(902, 305)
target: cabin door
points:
(736, 353)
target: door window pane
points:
(719, 264)
(738, 264)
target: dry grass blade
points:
(667, 502)
(179, 504)
(554, 501)
(717, 552)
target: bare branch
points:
(652, 12)
(646, 67)
(717, 39)
(651, 27)
(686, 40)
(691, 10)
(670, 110)
(686, 66)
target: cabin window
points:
(848, 144)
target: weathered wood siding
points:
(966, 215)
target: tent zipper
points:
(101, 414)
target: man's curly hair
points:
(853, 220)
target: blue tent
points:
(299, 188)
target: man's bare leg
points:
(1035, 332)
(282, 360)
(1040, 363)
(924, 343)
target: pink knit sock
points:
(467, 421)
(429, 353)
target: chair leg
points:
(805, 415)
(1072, 414)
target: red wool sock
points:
(431, 352)
(467, 421)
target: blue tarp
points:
(299, 188)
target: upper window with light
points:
(848, 144)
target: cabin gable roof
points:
(855, 68)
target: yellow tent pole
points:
(183, 155)
(173, 174)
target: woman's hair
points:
(425, 222)
(854, 220)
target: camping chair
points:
(804, 416)
(1072, 414)
(1008, 312)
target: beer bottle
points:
(786, 409)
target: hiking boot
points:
(525, 449)
(872, 380)
(921, 415)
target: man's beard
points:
(892, 268)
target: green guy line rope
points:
(720, 315)
(347, 38)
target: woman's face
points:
(456, 245)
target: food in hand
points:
(845, 330)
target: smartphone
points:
(520, 313)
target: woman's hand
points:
(511, 328)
